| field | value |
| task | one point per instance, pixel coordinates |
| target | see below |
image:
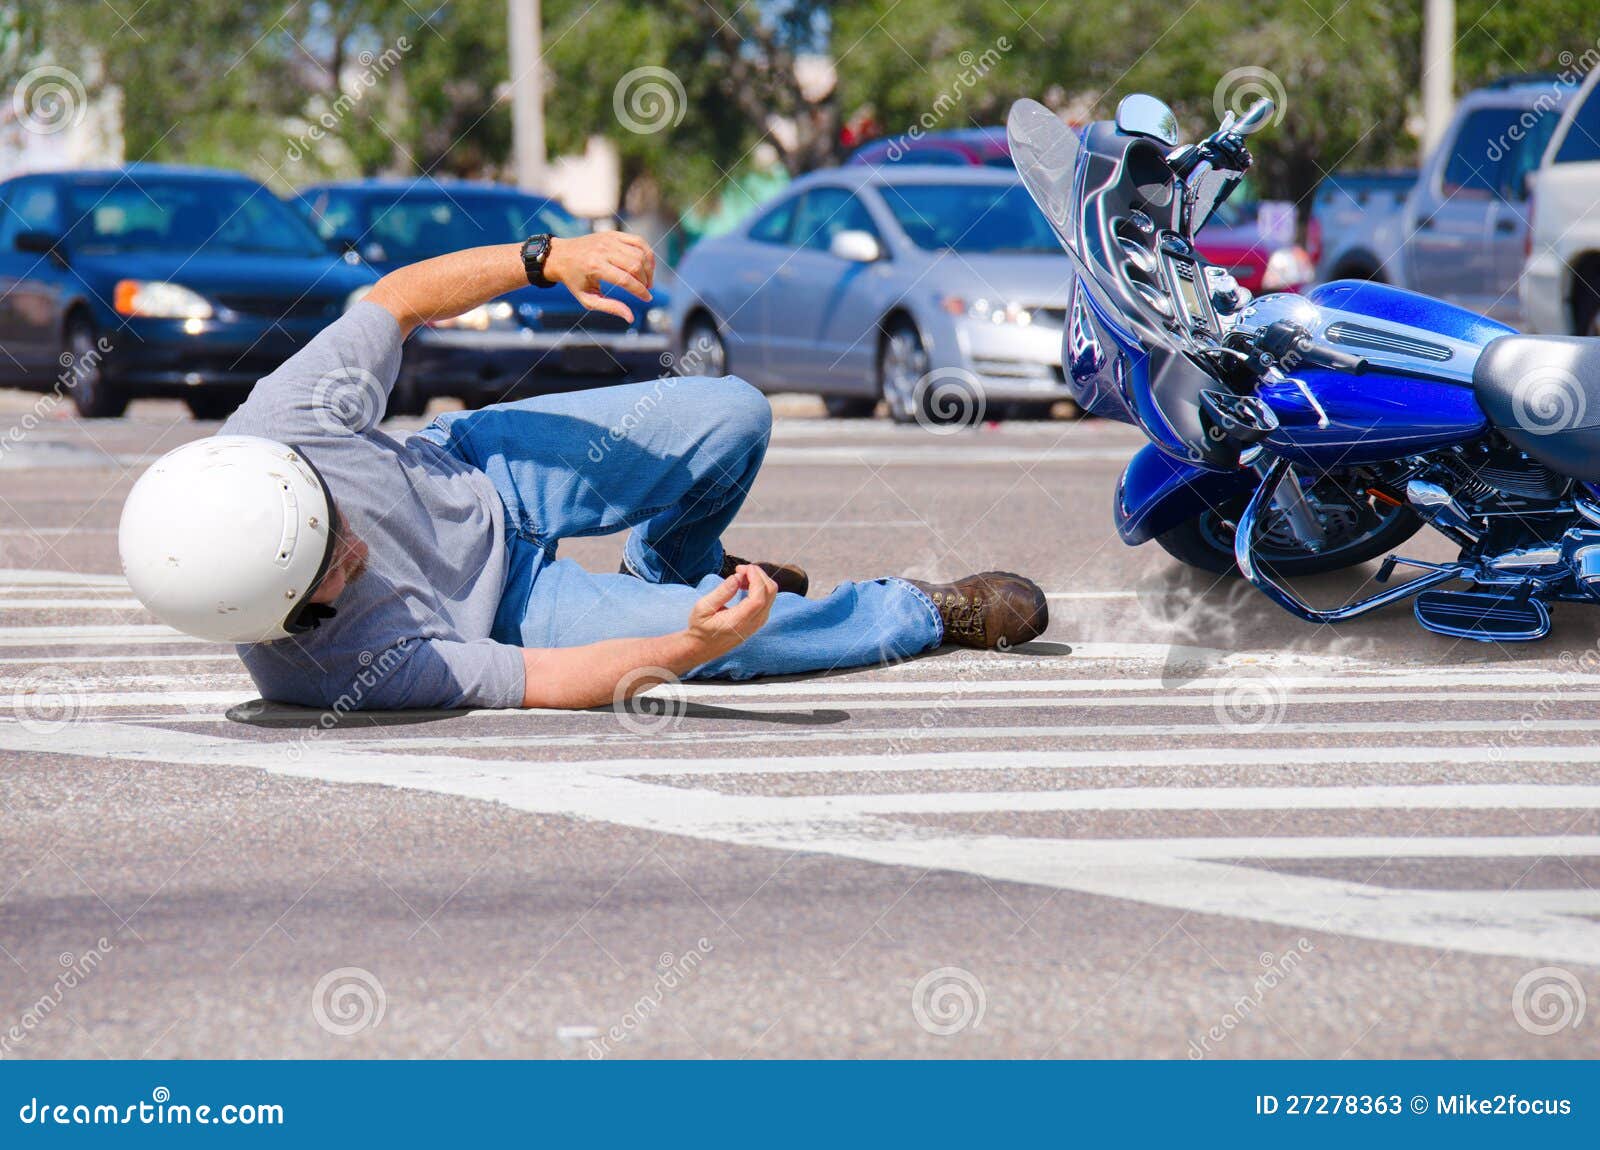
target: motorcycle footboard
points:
(1483, 616)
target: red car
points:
(1233, 240)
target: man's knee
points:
(738, 410)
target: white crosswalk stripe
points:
(1105, 807)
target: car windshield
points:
(975, 218)
(167, 215)
(408, 228)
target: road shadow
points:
(266, 715)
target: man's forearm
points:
(573, 678)
(448, 285)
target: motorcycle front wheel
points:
(1357, 533)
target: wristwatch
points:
(535, 250)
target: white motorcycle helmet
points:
(226, 538)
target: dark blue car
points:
(525, 342)
(149, 280)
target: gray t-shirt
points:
(414, 630)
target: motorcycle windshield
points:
(1045, 151)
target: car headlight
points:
(997, 312)
(497, 314)
(1287, 268)
(356, 296)
(658, 319)
(152, 299)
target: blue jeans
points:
(673, 460)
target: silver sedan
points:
(941, 291)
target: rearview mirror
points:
(1142, 115)
(856, 246)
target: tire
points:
(1206, 542)
(703, 351)
(93, 395)
(849, 406)
(212, 404)
(912, 393)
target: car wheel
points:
(849, 406)
(704, 353)
(1588, 312)
(913, 394)
(212, 404)
(902, 364)
(93, 395)
(1025, 411)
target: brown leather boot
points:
(787, 576)
(992, 610)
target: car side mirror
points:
(856, 246)
(41, 244)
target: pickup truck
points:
(1461, 232)
(1561, 282)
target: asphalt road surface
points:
(1181, 825)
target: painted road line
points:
(935, 733)
(1443, 797)
(71, 605)
(11, 577)
(1477, 921)
(68, 635)
(999, 762)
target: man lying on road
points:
(359, 571)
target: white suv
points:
(1561, 282)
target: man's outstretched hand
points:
(583, 263)
(719, 628)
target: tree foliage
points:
(686, 88)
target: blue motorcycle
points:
(1293, 435)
